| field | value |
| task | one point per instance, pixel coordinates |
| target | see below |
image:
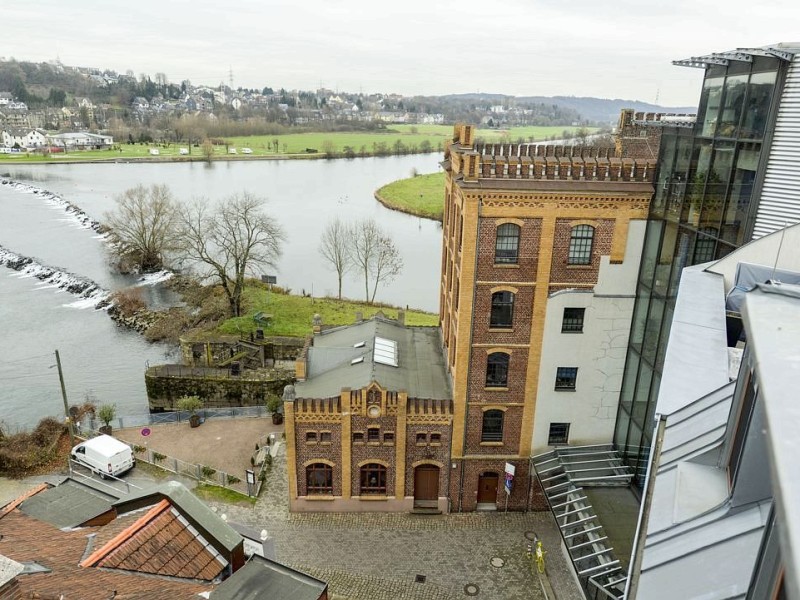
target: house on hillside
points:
(22, 138)
(5, 98)
(368, 424)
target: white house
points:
(79, 140)
(23, 138)
(5, 98)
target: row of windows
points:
(497, 373)
(374, 436)
(506, 249)
(319, 479)
(501, 315)
(312, 437)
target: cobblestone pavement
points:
(372, 556)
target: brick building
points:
(369, 427)
(541, 247)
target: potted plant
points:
(106, 413)
(191, 404)
(275, 405)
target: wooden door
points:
(426, 485)
(487, 488)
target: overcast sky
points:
(621, 49)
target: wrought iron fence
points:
(183, 416)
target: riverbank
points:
(422, 196)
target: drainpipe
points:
(637, 554)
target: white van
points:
(104, 455)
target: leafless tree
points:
(334, 247)
(144, 227)
(230, 240)
(374, 254)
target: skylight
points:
(359, 344)
(357, 360)
(385, 351)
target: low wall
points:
(216, 387)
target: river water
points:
(107, 363)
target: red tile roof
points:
(27, 539)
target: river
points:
(107, 363)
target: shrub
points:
(207, 472)
(232, 480)
(158, 457)
(190, 404)
(128, 301)
(274, 403)
(106, 413)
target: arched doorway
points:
(487, 490)
(426, 486)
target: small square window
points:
(566, 378)
(559, 433)
(573, 320)
(325, 437)
(358, 437)
(373, 434)
(422, 438)
(436, 438)
(311, 437)
(388, 437)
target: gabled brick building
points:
(541, 248)
(369, 426)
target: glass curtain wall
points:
(701, 210)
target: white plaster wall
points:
(598, 352)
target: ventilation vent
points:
(359, 345)
(355, 361)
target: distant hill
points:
(602, 110)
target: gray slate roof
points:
(263, 578)
(420, 372)
(68, 504)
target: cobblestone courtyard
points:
(376, 556)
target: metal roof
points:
(419, 371)
(69, 504)
(692, 523)
(772, 317)
(781, 51)
(263, 578)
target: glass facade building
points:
(704, 206)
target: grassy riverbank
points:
(292, 314)
(422, 195)
(395, 139)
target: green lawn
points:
(296, 144)
(291, 315)
(422, 195)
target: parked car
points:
(104, 455)
(246, 151)
(154, 151)
(183, 151)
(231, 150)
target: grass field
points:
(295, 145)
(422, 195)
(292, 315)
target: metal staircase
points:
(564, 473)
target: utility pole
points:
(66, 404)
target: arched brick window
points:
(502, 316)
(497, 370)
(492, 427)
(580, 245)
(506, 249)
(373, 479)
(319, 479)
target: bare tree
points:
(230, 240)
(374, 254)
(144, 227)
(334, 246)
